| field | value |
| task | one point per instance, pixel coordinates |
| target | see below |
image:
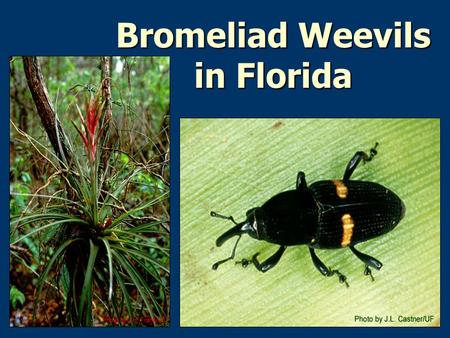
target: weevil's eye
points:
(250, 213)
(255, 218)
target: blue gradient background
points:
(386, 83)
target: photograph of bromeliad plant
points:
(89, 191)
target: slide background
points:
(386, 83)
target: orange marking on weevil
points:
(341, 189)
(347, 229)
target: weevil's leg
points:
(269, 263)
(356, 159)
(369, 261)
(230, 218)
(216, 265)
(301, 181)
(326, 271)
(244, 262)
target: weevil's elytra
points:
(341, 189)
(328, 214)
(347, 229)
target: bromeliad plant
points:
(103, 250)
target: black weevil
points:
(326, 215)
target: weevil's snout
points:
(237, 230)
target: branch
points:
(106, 84)
(106, 62)
(45, 108)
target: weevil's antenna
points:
(237, 230)
(216, 265)
(230, 218)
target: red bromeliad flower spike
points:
(92, 132)
(92, 119)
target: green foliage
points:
(98, 227)
(16, 297)
(18, 201)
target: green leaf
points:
(58, 255)
(143, 206)
(141, 255)
(84, 307)
(125, 293)
(16, 296)
(124, 158)
(33, 248)
(52, 224)
(110, 267)
(140, 284)
(26, 178)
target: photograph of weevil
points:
(340, 198)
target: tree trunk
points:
(106, 83)
(45, 108)
(106, 62)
